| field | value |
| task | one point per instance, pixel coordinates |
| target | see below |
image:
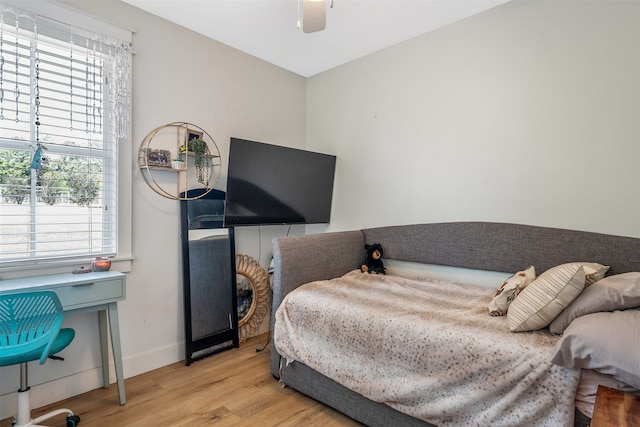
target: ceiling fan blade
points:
(314, 15)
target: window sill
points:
(122, 264)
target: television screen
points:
(270, 184)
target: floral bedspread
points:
(427, 348)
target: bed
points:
(475, 369)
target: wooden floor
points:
(233, 388)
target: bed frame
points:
(499, 247)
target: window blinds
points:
(64, 107)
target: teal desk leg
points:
(114, 326)
(104, 346)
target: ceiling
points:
(355, 28)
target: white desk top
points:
(52, 280)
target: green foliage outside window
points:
(79, 177)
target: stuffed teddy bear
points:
(373, 261)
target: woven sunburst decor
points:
(253, 295)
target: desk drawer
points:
(92, 293)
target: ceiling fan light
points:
(314, 15)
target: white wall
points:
(177, 76)
(526, 113)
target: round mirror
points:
(252, 286)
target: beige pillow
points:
(540, 302)
(510, 289)
(592, 272)
(617, 292)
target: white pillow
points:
(509, 290)
(616, 292)
(606, 342)
(541, 302)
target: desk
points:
(82, 293)
(614, 408)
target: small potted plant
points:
(199, 149)
(177, 163)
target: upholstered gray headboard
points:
(504, 247)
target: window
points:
(64, 109)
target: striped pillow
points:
(545, 298)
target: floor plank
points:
(233, 388)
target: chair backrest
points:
(28, 321)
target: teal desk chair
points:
(30, 330)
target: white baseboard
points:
(150, 360)
(52, 391)
(82, 382)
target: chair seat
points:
(64, 338)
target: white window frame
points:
(122, 261)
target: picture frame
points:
(193, 134)
(157, 158)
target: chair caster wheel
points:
(73, 420)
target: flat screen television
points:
(270, 184)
